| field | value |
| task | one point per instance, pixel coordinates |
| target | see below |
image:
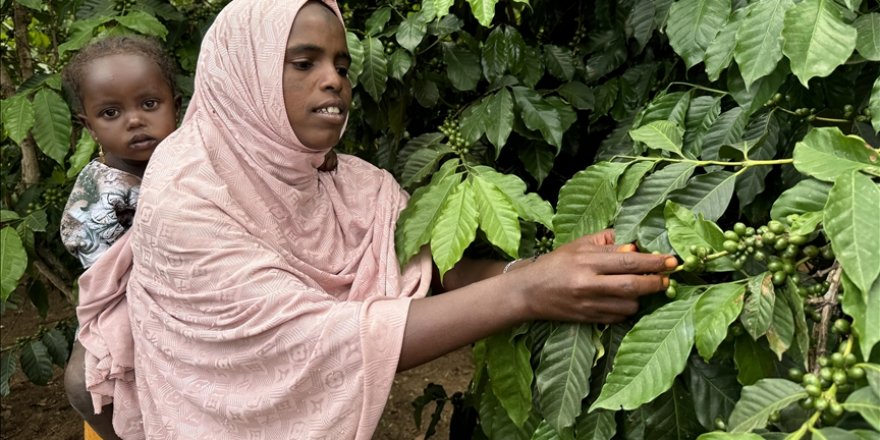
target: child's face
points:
(317, 92)
(129, 108)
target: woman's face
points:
(317, 92)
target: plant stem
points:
(701, 163)
(698, 87)
(820, 329)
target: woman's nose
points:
(331, 79)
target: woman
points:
(265, 296)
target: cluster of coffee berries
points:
(774, 244)
(53, 197)
(450, 128)
(543, 245)
(836, 374)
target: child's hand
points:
(330, 162)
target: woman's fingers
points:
(621, 287)
(628, 262)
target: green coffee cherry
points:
(841, 326)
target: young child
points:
(122, 89)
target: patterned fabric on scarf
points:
(265, 298)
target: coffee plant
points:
(739, 135)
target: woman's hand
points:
(592, 280)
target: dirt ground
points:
(32, 412)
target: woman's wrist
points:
(519, 263)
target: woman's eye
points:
(343, 71)
(301, 65)
(151, 104)
(110, 113)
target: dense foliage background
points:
(740, 135)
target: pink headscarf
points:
(265, 297)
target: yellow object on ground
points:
(89, 433)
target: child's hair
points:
(114, 45)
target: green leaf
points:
(563, 377)
(872, 373)
(510, 375)
(441, 6)
(727, 129)
(7, 369)
(538, 160)
(496, 54)
(36, 362)
(81, 32)
(653, 234)
(418, 218)
(375, 74)
(825, 153)
(759, 39)
(356, 51)
(701, 115)
(661, 108)
(33, 4)
(671, 416)
(660, 135)
(8, 216)
(693, 25)
(650, 356)
(719, 54)
(717, 435)
(817, 39)
(498, 218)
(717, 308)
(51, 124)
(685, 231)
(587, 202)
(852, 223)
(808, 195)
(864, 307)
(85, 149)
(632, 178)
(578, 94)
(651, 193)
(13, 261)
(143, 23)
(781, 332)
(707, 194)
(421, 164)
(426, 92)
(56, 344)
(596, 425)
(753, 99)
(495, 421)
(539, 115)
(35, 221)
(499, 119)
(753, 362)
(758, 309)
(714, 388)
(874, 105)
(868, 40)
(833, 433)
(483, 10)
(545, 431)
(376, 22)
(640, 23)
(760, 400)
(410, 32)
(529, 206)
(455, 228)
(866, 403)
(530, 68)
(462, 67)
(559, 61)
(399, 64)
(18, 116)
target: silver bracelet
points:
(511, 263)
